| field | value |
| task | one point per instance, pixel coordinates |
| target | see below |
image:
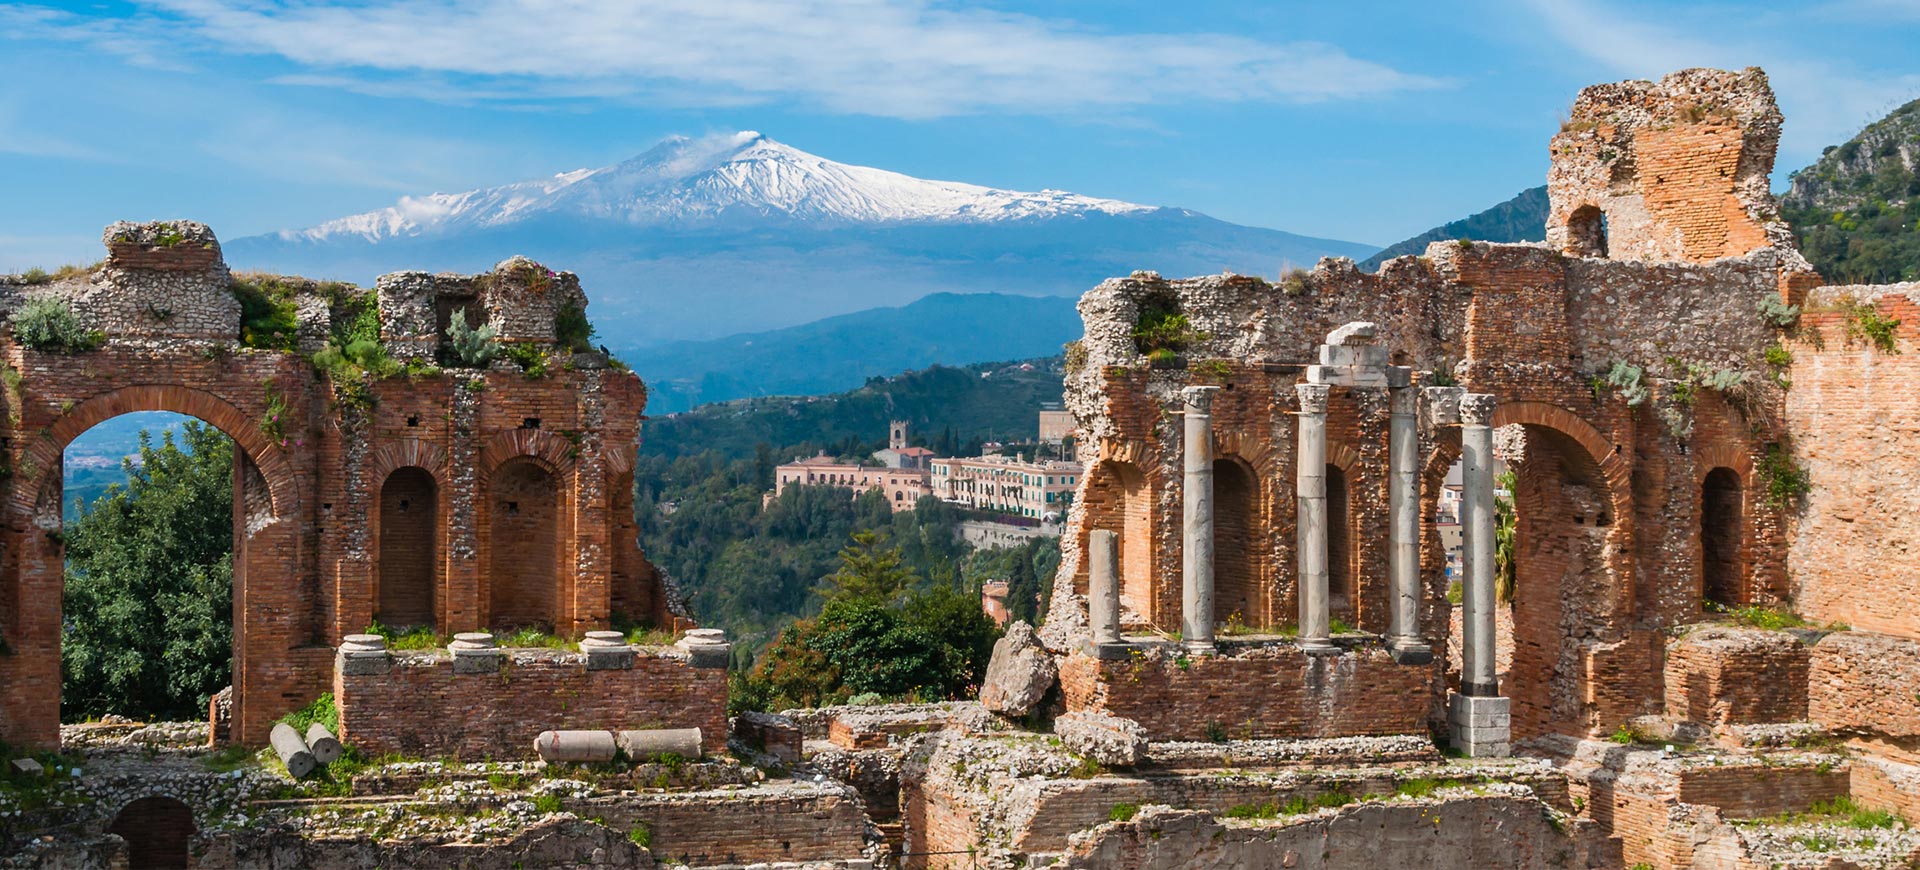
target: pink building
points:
(903, 486)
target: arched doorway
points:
(1237, 596)
(408, 540)
(1123, 485)
(1722, 509)
(524, 537)
(1587, 232)
(1340, 572)
(143, 518)
(158, 831)
(1567, 583)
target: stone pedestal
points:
(475, 652)
(1196, 545)
(607, 651)
(1480, 727)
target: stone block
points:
(651, 743)
(1109, 740)
(588, 747)
(1480, 727)
(1019, 674)
(26, 768)
(706, 648)
(607, 651)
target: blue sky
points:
(1366, 122)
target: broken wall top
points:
(1673, 170)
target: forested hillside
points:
(1856, 211)
(951, 410)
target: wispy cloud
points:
(142, 41)
(900, 58)
(1825, 102)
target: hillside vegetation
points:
(1856, 211)
(1520, 219)
(950, 409)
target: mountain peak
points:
(726, 177)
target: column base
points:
(1410, 651)
(1319, 646)
(1109, 651)
(1199, 647)
(1480, 727)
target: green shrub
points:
(1629, 381)
(641, 835)
(1123, 812)
(1786, 481)
(470, 347)
(1778, 313)
(269, 316)
(48, 325)
(321, 710)
(547, 803)
(35, 275)
(1865, 322)
(1296, 282)
(530, 358)
(571, 329)
(1162, 326)
(1778, 356)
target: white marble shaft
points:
(1476, 523)
(1403, 511)
(1196, 550)
(1311, 528)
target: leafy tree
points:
(148, 609)
(867, 572)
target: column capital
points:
(1198, 398)
(1476, 409)
(1403, 401)
(1313, 398)
(1443, 405)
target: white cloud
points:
(900, 58)
(1824, 103)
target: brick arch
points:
(1602, 450)
(392, 457)
(557, 454)
(207, 407)
(1253, 449)
(1242, 525)
(1736, 458)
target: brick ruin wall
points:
(425, 707)
(312, 467)
(1853, 415)
(1272, 692)
(1611, 494)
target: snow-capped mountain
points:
(685, 181)
(703, 238)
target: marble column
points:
(1311, 525)
(1196, 545)
(1403, 532)
(1476, 526)
(1103, 586)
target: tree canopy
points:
(149, 584)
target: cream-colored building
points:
(1007, 484)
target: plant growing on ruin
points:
(571, 329)
(1215, 370)
(1778, 356)
(1296, 281)
(1074, 353)
(1777, 312)
(530, 358)
(269, 316)
(35, 276)
(273, 423)
(1506, 527)
(1161, 325)
(641, 835)
(1786, 481)
(473, 348)
(1441, 376)
(48, 325)
(1630, 382)
(1123, 812)
(1865, 322)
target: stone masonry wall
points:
(1867, 685)
(423, 707)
